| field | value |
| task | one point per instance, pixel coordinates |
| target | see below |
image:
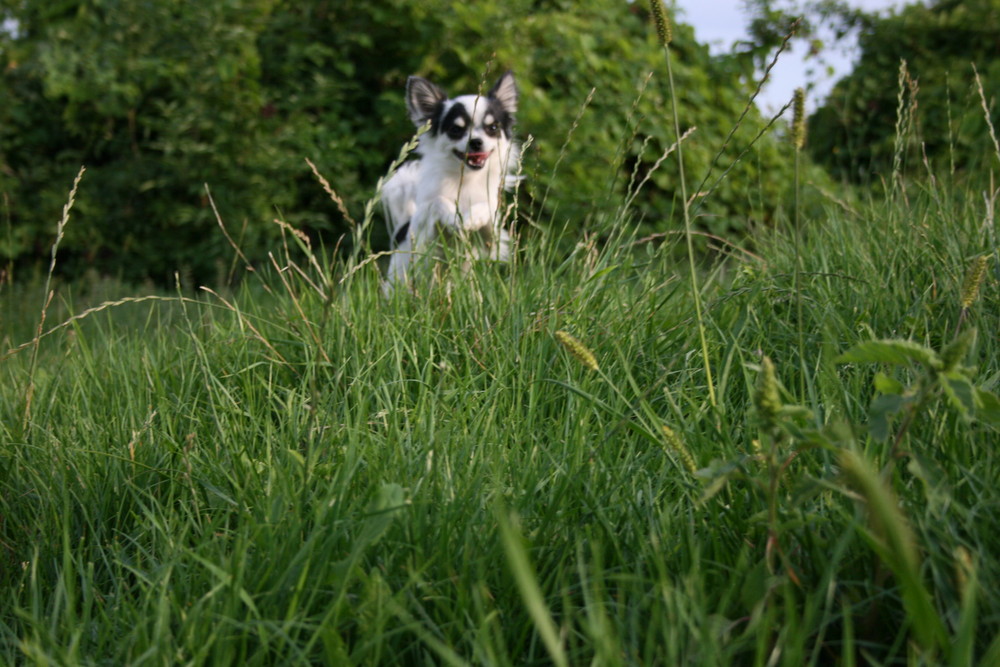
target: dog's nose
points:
(475, 145)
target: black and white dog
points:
(453, 189)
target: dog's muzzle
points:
(473, 160)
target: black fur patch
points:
(401, 233)
(500, 115)
(448, 123)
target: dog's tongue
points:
(477, 159)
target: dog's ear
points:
(505, 92)
(423, 99)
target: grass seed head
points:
(676, 445)
(799, 119)
(970, 288)
(664, 31)
(577, 349)
(767, 399)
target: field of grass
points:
(306, 473)
(599, 454)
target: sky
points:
(719, 23)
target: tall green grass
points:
(301, 471)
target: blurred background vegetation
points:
(853, 134)
(161, 99)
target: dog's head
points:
(469, 128)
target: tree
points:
(159, 98)
(156, 99)
(855, 132)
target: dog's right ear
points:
(505, 92)
(423, 99)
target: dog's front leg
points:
(419, 237)
(480, 217)
(448, 214)
(440, 211)
(399, 263)
(500, 248)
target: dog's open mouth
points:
(472, 160)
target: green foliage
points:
(771, 21)
(942, 374)
(788, 435)
(503, 467)
(855, 132)
(304, 472)
(159, 99)
(156, 99)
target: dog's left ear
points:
(505, 92)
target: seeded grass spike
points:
(676, 445)
(577, 349)
(799, 119)
(973, 279)
(664, 31)
(48, 292)
(799, 141)
(970, 287)
(766, 399)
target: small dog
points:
(453, 187)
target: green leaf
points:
(894, 542)
(896, 352)
(881, 409)
(716, 476)
(756, 585)
(797, 413)
(956, 351)
(987, 406)
(334, 647)
(387, 503)
(527, 583)
(960, 392)
(963, 646)
(936, 489)
(603, 272)
(888, 385)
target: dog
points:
(452, 188)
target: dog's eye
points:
(493, 129)
(456, 132)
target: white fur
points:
(442, 194)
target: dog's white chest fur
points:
(466, 159)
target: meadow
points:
(614, 450)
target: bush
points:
(854, 133)
(159, 99)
